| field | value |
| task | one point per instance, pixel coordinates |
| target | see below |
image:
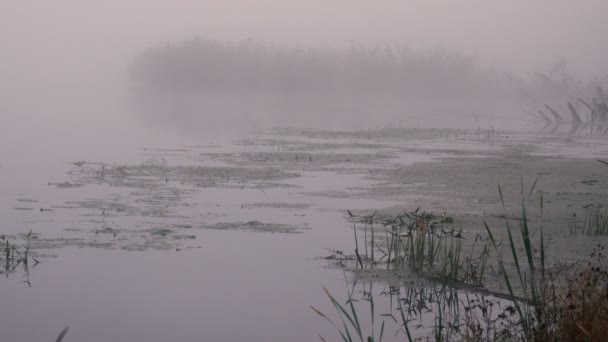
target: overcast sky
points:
(522, 35)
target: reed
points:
(423, 244)
(539, 303)
(595, 222)
(14, 257)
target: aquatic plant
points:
(14, 256)
(595, 221)
(540, 303)
(424, 244)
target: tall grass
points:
(555, 305)
(530, 309)
(595, 222)
(561, 303)
(16, 256)
(423, 244)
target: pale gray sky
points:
(516, 34)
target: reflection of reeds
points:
(348, 313)
(439, 313)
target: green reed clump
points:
(567, 303)
(13, 257)
(530, 280)
(561, 303)
(595, 222)
(419, 240)
(422, 243)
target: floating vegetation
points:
(153, 174)
(27, 200)
(278, 205)
(256, 226)
(168, 232)
(161, 232)
(65, 185)
(298, 161)
(99, 170)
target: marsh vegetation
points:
(505, 289)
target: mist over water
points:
(146, 145)
(65, 66)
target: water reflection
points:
(378, 311)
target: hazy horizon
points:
(57, 56)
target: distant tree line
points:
(205, 66)
(202, 64)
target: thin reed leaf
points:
(542, 253)
(502, 199)
(405, 321)
(356, 319)
(514, 253)
(532, 188)
(323, 315)
(342, 311)
(490, 234)
(526, 237)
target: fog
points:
(64, 64)
(519, 34)
(194, 170)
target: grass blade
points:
(532, 188)
(342, 311)
(502, 199)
